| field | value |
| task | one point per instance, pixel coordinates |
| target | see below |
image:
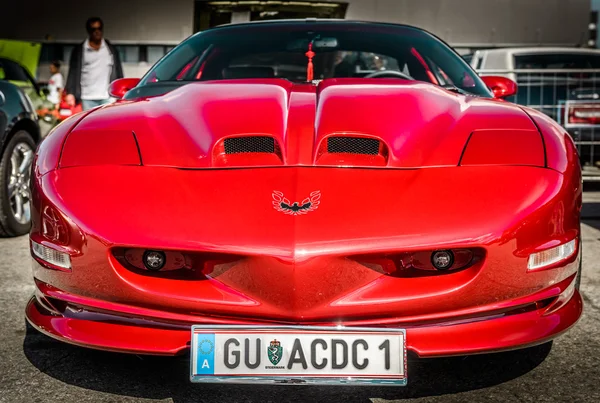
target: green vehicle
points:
(18, 65)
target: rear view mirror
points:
(119, 88)
(501, 87)
(318, 43)
(325, 43)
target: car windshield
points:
(339, 49)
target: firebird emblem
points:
(281, 203)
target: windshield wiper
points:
(453, 88)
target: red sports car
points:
(306, 201)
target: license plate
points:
(291, 354)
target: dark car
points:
(19, 134)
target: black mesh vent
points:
(251, 144)
(352, 145)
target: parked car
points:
(534, 58)
(563, 83)
(18, 65)
(314, 227)
(19, 134)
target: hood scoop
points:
(249, 144)
(353, 145)
(247, 150)
(352, 150)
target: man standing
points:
(93, 65)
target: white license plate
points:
(293, 354)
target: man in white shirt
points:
(55, 84)
(93, 65)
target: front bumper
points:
(519, 323)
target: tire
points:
(15, 220)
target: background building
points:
(146, 29)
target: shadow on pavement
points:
(168, 377)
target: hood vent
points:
(247, 151)
(353, 145)
(355, 151)
(249, 144)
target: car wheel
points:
(15, 194)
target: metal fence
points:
(572, 98)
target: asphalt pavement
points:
(35, 368)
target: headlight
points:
(497, 147)
(551, 256)
(51, 257)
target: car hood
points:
(366, 122)
(27, 54)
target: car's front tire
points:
(15, 193)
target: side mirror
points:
(501, 87)
(119, 88)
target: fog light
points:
(51, 256)
(551, 256)
(154, 260)
(442, 259)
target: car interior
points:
(329, 55)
